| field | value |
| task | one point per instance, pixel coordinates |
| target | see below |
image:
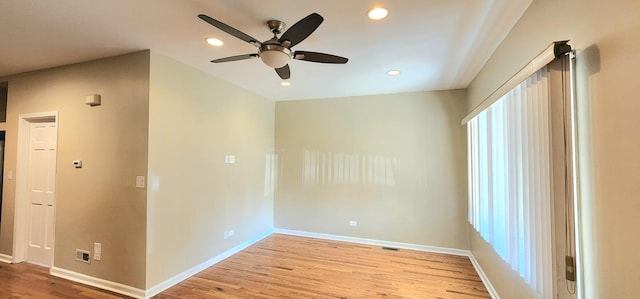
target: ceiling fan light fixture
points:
(214, 42)
(275, 56)
(285, 83)
(377, 13)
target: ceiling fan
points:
(276, 52)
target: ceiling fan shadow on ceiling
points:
(276, 52)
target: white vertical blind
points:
(510, 180)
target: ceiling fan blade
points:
(230, 30)
(319, 57)
(284, 72)
(234, 58)
(302, 29)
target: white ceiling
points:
(436, 44)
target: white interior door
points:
(41, 191)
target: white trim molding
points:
(426, 248)
(483, 277)
(6, 258)
(194, 270)
(98, 282)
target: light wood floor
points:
(31, 281)
(282, 266)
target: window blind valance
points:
(556, 49)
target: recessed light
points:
(285, 83)
(377, 13)
(393, 73)
(214, 42)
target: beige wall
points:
(394, 163)
(605, 34)
(98, 203)
(193, 196)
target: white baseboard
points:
(190, 272)
(98, 282)
(6, 258)
(484, 277)
(426, 248)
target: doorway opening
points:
(35, 188)
(2, 134)
(3, 118)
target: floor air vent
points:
(390, 248)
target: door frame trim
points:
(21, 219)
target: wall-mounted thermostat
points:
(77, 163)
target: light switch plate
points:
(140, 181)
